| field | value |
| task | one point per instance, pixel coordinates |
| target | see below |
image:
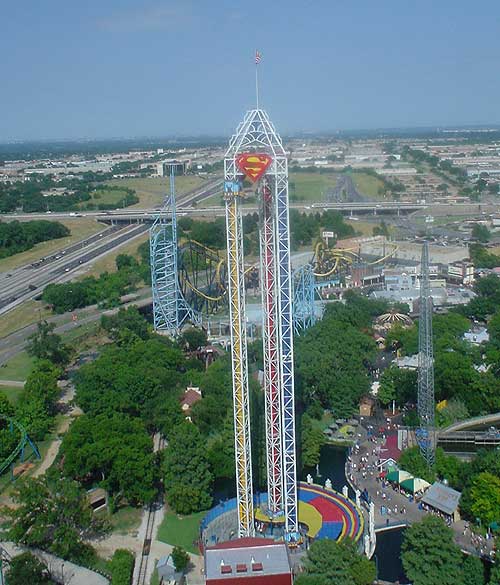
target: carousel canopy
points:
(394, 317)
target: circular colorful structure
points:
(322, 513)
(328, 514)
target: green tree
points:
(429, 555)
(187, 477)
(397, 384)
(121, 566)
(114, 451)
(37, 405)
(329, 561)
(485, 496)
(481, 233)
(473, 571)
(181, 559)
(193, 338)
(26, 568)
(46, 345)
(126, 321)
(312, 441)
(411, 460)
(53, 513)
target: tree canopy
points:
(114, 451)
(53, 513)
(186, 472)
(329, 562)
(429, 554)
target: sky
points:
(128, 68)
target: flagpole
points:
(257, 83)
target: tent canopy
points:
(398, 475)
(415, 484)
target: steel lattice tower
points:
(304, 314)
(257, 143)
(425, 401)
(170, 310)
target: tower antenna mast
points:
(425, 399)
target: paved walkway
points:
(362, 473)
(63, 571)
(12, 383)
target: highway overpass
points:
(186, 208)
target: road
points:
(27, 282)
(185, 207)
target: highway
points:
(185, 207)
(27, 282)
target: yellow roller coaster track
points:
(346, 255)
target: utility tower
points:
(425, 400)
(170, 310)
(256, 153)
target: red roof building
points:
(191, 396)
(248, 561)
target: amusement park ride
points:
(190, 282)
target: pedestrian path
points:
(392, 506)
(63, 571)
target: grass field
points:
(369, 185)
(104, 197)
(80, 228)
(125, 520)
(12, 393)
(26, 314)
(18, 368)
(311, 187)
(181, 530)
(151, 191)
(108, 264)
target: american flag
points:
(258, 57)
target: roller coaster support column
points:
(239, 356)
(163, 253)
(271, 354)
(284, 305)
(170, 309)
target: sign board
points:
(328, 235)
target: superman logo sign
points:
(253, 165)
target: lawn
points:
(12, 392)
(369, 185)
(181, 530)
(107, 263)
(325, 421)
(80, 228)
(311, 187)
(152, 191)
(17, 368)
(105, 197)
(26, 314)
(126, 520)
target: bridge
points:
(463, 425)
(476, 439)
(186, 208)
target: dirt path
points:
(68, 417)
